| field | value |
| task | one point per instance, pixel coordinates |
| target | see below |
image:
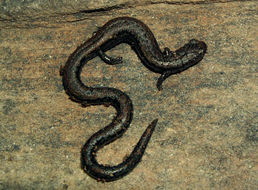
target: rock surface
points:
(206, 136)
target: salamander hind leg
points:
(109, 60)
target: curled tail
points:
(112, 173)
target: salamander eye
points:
(193, 41)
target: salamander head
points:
(183, 58)
(192, 52)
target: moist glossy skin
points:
(140, 38)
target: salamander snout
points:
(196, 45)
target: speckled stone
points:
(206, 137)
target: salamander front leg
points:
(162, 78)
(168, 53)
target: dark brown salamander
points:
(140, 38)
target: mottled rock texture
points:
(206, 136)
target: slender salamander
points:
(142, 41)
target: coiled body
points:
(140, 38)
